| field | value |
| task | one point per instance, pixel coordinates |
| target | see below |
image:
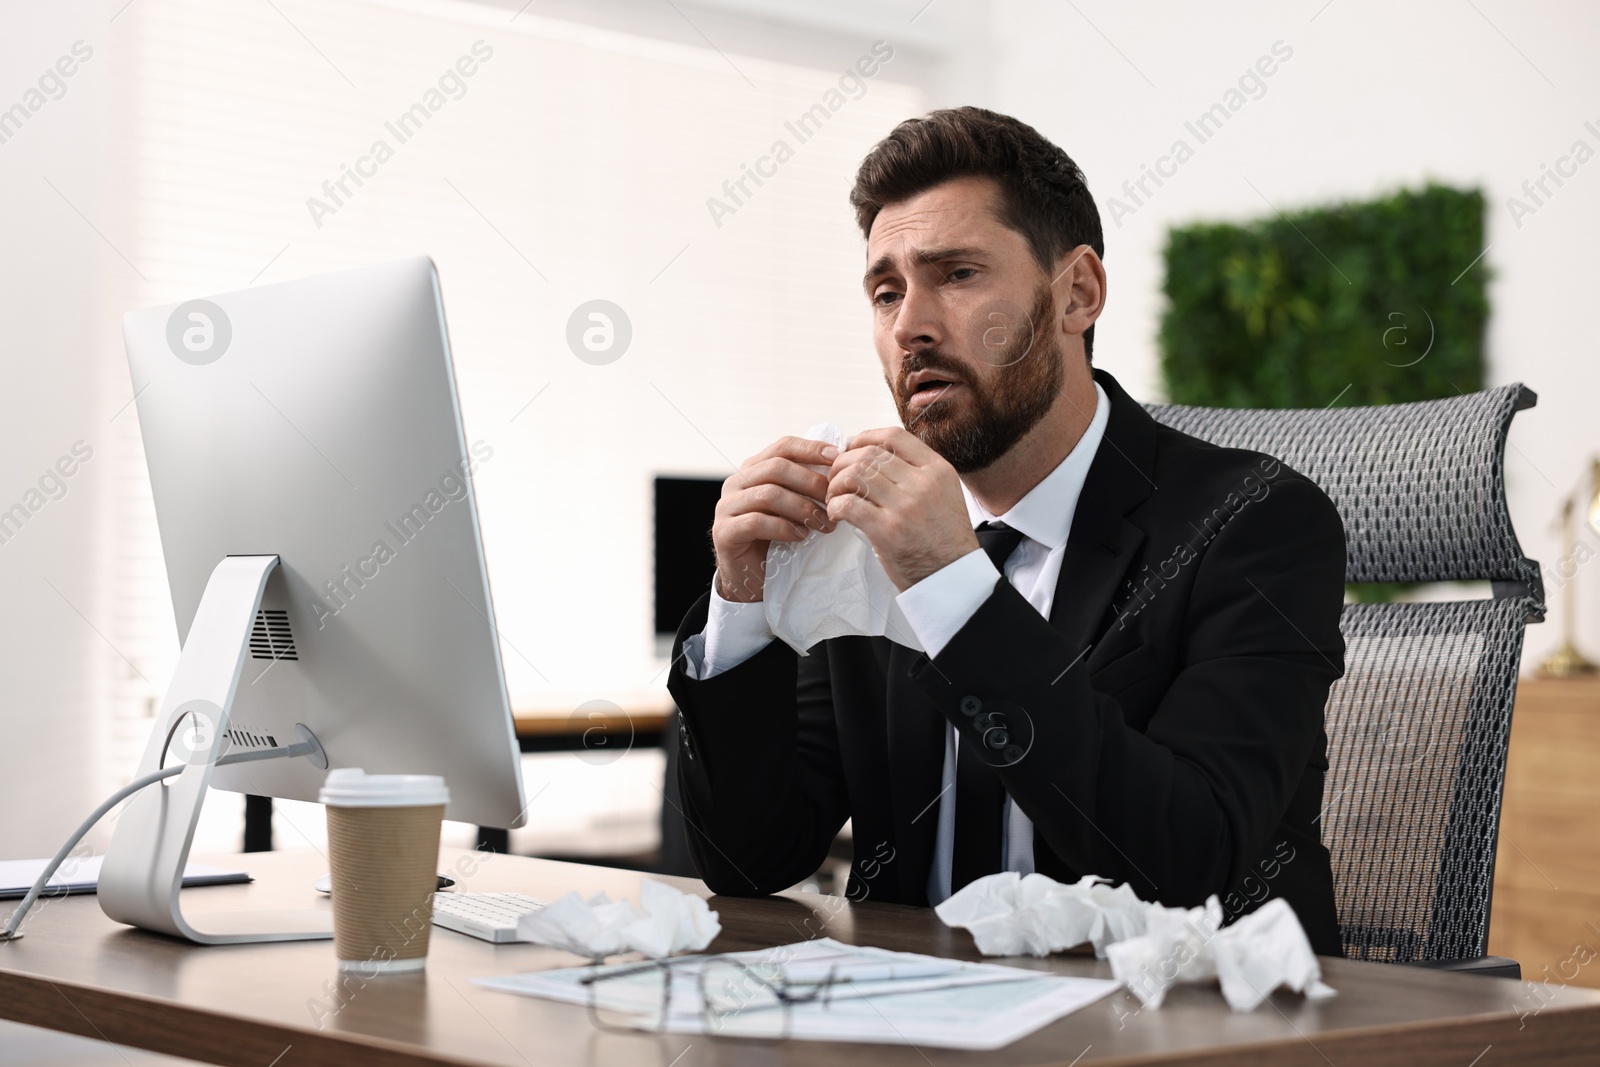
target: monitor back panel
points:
(327, 431)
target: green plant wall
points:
(1377, 302)
(1373, 302)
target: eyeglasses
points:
(736, 999)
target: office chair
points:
(1418, 726)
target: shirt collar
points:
(1045, 513)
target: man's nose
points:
(919, 322)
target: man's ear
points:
(1079, 289)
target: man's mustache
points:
(929, 359)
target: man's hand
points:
(906, 498)
(775, 496)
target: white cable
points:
(10, 932)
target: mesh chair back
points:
(1417, 727)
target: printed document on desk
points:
(940, 1003)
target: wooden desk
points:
(1546, 912)
(260, 1005)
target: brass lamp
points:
(1567, 661)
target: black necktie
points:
(980, 797)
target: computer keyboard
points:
(489, 916)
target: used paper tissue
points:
(831, 584)
(1012, 915)
(1150, 947)
(664, 921)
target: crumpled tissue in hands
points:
(831, 584)
(1151, 947)
(665, 921)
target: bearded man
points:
(1129, 634)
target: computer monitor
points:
(684, 561)
(315, 423)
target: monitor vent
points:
(244, 737)
(270, 637)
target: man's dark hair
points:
(1043, 195)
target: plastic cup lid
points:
(351, 787)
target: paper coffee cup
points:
(383, 855)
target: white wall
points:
(55, 668)
(1376, 96)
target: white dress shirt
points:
(937, 608)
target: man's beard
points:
(1000, 411)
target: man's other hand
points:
(774, 496)
(906, 498)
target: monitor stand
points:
(143, 868)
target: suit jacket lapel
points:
(1103, 541)
(1101, 547)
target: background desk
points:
(543, 730)
(252, 1004)
(599, 730)
(612, 728)
(1547, 871)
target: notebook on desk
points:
(83, 875)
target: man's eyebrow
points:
(883, 264)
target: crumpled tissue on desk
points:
(831, 584)
(1151, 947)
(665, 921)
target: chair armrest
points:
(1493, 966)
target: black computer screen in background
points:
(684, 561)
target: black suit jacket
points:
(1162, 728)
